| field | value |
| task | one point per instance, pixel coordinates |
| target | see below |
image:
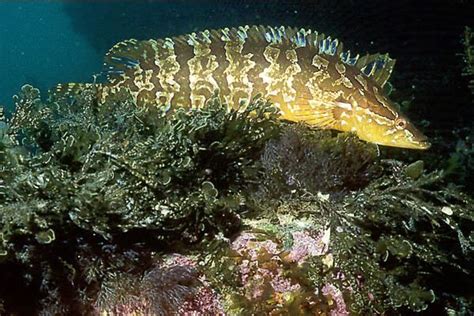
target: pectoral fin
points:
(321, 116)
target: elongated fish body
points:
(307, 75)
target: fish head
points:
(376, 119)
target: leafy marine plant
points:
(92, 196)
(401, 244)
(317, 161)
(342, 231)
(418, 232)
(74, 174)
(127, 168)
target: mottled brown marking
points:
(320, 62)
(218, 49)
(341, 69)
(183, 52)
(240, 63)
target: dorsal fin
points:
(378, 67)
(128, 55)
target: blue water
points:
(44, 42)
(38, 45)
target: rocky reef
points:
(115, 210)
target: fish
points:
(308, 76)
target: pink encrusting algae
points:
(268, 273)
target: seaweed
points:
(317, 161)
(401, 244)
(277, 218)
(76, 176)
(160, 291)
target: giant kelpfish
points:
(306, 75)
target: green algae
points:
(91, 195)
(394, 243)
(73, 172)
(395, 268)
(132, 168)
(415, 169)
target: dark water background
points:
(47, 42)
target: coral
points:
(271, 259)
(335, 295)
(387, 248)
(268, 279)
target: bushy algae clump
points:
(304, 160)
(402, 243)
(73, 173)
(116, 168)
(174, 286)
(266, 217)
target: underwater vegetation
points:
(173, 286)
(118, 209)
(460, 165)
(469, 56)
(305, 160)
(72, 172)
(391, 247)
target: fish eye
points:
(400, 123)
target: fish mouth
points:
(424, 144)
(418, 139)
(420, 145)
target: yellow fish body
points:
(306, 75)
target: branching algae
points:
(402, 243)
(269, 218)
(118, 172)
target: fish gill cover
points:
(228, 208)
